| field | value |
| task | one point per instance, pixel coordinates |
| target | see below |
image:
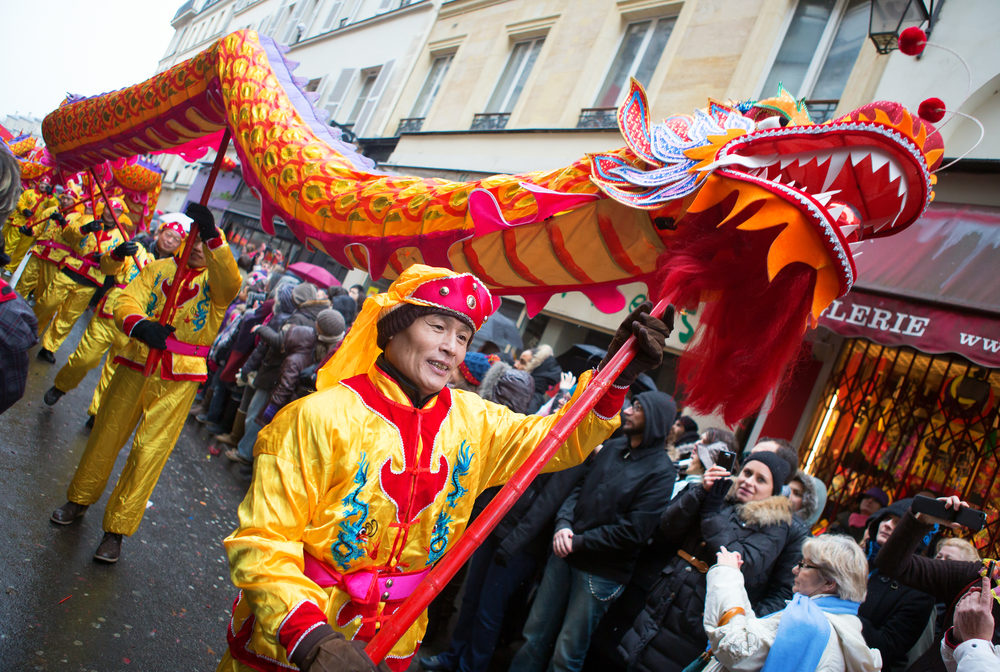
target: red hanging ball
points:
(932, 110)
(912, 41)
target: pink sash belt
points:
(364, 586)
(188, 349)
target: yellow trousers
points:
(21, 248)
(66, 299)
(100, 335)
(159, 408)
(12, 237)
(107, 371)
(38, 275)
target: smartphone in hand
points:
(726, 459)
(973, 519)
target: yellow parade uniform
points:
(102, 333)
(69, 293)
(158, 404)
(24, 243)
(29, 201)
(357, 478)
(46, 254)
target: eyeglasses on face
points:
(802, 564)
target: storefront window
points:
(906, 421)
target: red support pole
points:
(153, 358)
(107, 202)
(438, 577)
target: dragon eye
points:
(771, 122)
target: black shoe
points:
(109, 549)
(90, 421)
(46, 356)
(52, 395)
(67, 513)
(433, 664)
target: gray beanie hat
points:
(303, 292)
(329, 326)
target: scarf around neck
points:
(803, 632)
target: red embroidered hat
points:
(464, 296)
(418, 289)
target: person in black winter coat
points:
(749, 516)
(600, 530)
(947, 581)
(893, 616)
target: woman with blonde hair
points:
(956, 548)
(818, 630)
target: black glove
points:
(204, 220)
(58, 217)
(152, 333)
(27, 230)
(26, 212)
(4, 258)
(126, 249)
(715, 497)
(650, 335)
(92, 226)
(333, 653)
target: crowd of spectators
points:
(666, 550)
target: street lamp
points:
(889, 17)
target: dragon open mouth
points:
(865, 175)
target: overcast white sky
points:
(51, 47)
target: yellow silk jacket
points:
(49, 242)
(203, 297)
(356, 477)
(125, 272)
(86, 245)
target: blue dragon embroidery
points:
(153, 297)
(348, 546)
(439, 535)
(201, 310)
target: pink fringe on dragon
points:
(748, 208)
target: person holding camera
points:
(949, 581)
(747, 515)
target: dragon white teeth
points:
(848, 230)
(825, 197)
(837, 160)
(787, 161)
(836, 211)
(857, 156)
(894, 172)
(878, 160)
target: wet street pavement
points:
(164, 605)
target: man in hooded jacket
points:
(600, 530)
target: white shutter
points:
(366, 112)
(333, 16)
(338, 91)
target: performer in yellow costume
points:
(29, 205)
(359, 489)
(160, 403)
(102, 333)
(69, 293)
(50, 247)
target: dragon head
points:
(757, 209)
(827, 186)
